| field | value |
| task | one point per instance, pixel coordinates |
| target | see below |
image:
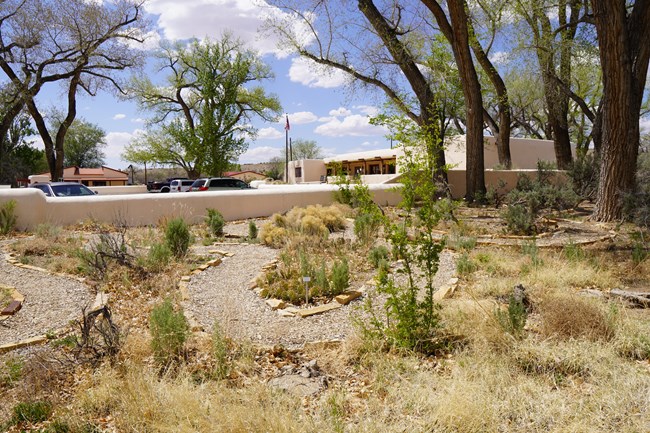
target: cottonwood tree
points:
(77, 43)
(202, 116)
(84, 143)
(305, 149)
(624, 45)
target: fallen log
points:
(639, 300)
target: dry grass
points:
(566, 316)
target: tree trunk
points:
(475, 166)
(624, 43)
(456, 31)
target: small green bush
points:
(252, 230)
(32, 412)
(7, 217)
(169, 331)
(377, 255)
(519, 219)
(177, 237)
(340, 276)
(158, 257)
(573, 252)
(465, 265)
(584, 175)
(220, 352)
(366, 226)
(215, 222)
(320, 279)
(513, 320)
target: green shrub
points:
(519, 219)
(340, 276)
(158, 257)
(177, 237)
(215, 222)
(252, 230)
(532, 250)
(513, 320)
(169, 331)
(7, 217)
(320, 279)
(366, 226)
(573, 252)
(220, 352)
(32, 412)
(378, 255)
(584, 174)
(465, 265)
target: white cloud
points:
(354, 125)
(369, 110)
(374, 144)
(211, 18)
(138, 120)
(300, 118)
(119, 116)
(499, 57)
(341, 111)
(269, 134)
(310, 74)
(259, 154)
(115, 143)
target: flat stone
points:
(203, 267)
(253, 284)
(23, 343)
(318, 310)
(276, 304)
(285, 313)
(185, 293)
(196, 271)
(297, 385)
(101, 299)
(186, 278)
(444, 292)
(11, 309)
(347, 297)
(214, 262)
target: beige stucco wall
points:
(34, 208)
(493, 178)
(312, 170)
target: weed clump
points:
(169, 331)
(178, 237)
(252, 230)
(31, 412)
(567, 316)
(215, 222)
(7, 217)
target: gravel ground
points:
(51, 302)
(222, 294)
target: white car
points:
(180, 185)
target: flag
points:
(286, 126)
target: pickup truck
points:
(162, 186)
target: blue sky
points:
(319, 105)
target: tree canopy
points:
(83, 145)
(202, 116)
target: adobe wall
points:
(34, 208)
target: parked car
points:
(63, 189)
(180, 185)
(218, 184)
(163, 185)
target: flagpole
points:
(286, 151)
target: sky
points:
(319, 105)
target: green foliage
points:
(465, 265)
(519, 219)
(321, 280)
(532, 196)
(252, 230)
(340, 276)
(7, 217)
(32, 412)
(226, 96)
(169, 331)
(411, 315)
(158, 257)
(177, 237)
(220, 352)
(573, 252)
(532, 250)
(584, 174)
(11, 371)
(378, 255)
(639, 248)
(366, 226)
(215, 222)
(513, 320)
(83, 145)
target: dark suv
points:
(218, 184)
(63, 189)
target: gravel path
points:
(51, 302)
(222, 294)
